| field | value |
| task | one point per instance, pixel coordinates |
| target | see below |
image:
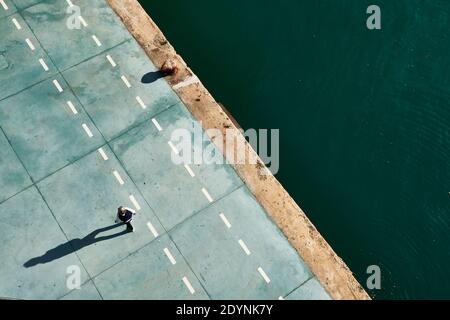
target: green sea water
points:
(364, 118)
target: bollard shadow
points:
(152, 76)
(74, 245)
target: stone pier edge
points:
(330, 270)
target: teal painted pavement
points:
(14, 177)
(118, 106)
(7, 8)
(310, 290)
(49, 20)
(29, 229)
(87, 291)
(81, 135)
(146, 155)
(18, 68)
(49, 138)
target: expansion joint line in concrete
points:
(189, 265)
(128, 85)
(37, 188)
(301, 284)
(326, 263)
(125, 80)
(157, 217)
(65, 235)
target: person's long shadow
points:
(74, 245)
(152, 76)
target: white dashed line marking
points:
(3, 4)
(152, 229)
(118, 177)
(57, 85)
(135, 203)
(141, 103)
(280, 298)
(207, 195)
(263, 274)
(43, 64)
(188, 285)
(69, 3)
(170, 256)
(16, 23)
(83, 22)
(189, 170)
(174, 149)
(103, 154)
(111, 60)
(97, 42)
(156, 123)
(72, 107)
(30, 44)
(125, 80)
(88, 131)
(225, 220)
(244, 247)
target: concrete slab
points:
(218, 178)
(14, 177)
(19, 65)
(21, 4)
(112, 105)
(67, 217)
(216, 252)
(67, 45)
(43, 130)
(84, 197)
(310, 290)
(168, 187)
(331, 271)
(149, 274)
(86, 292)
(28, 231)
(7, 7)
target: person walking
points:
(125, 215)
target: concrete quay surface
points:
(80, 135)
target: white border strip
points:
(111, 61)
(72, 107)
(207, 195)
(174, 149)
(118, 177)
(170, 256)
(225, 220)
(97, 42)
(88, 131)
(30, 44)
(264, 275)
(16, 23)
(83, 22)
(189, 170)
(152, 229)
(188, 285)
(141, 103)
(57, 85)
(244, 247)
(135, 203)
(125, 80)
(43, 64)
(103, 154)
(190, 80)
(156, 123)
(4, 5)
